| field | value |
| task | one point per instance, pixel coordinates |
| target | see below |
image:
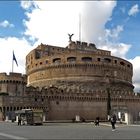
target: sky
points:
(111, 25)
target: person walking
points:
(19, 120)
(97, 121)
(113, 122)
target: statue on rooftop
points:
(70, 37)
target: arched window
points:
(99, 59)
(71, 59)
(115, 61)
(107, 60)
(122, 63)
(128, 66)
(86, 59)
(57, 60)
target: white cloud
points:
(110, 41)
(53, 20)
(134, 10)
(114, 33)
(136, 72)
(123, 10)
(118, 49)
(5, 24)
(20, 46)
(27, 4)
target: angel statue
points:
(70, 36)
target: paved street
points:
(10, 130)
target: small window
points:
(40, 63)
(122, 63)
(57, 102)
(99, 59)
(46, 61)
(115, 61)
(128, 66)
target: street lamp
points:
(108, 97)
(108, 103)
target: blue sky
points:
(130, 23)
(14, 14)
(111, 25)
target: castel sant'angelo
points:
(78, 82)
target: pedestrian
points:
(19, 120)
(113, 122)
(97, 121)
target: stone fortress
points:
(79, 67)
(78, 81)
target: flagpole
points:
(12, 62)
(12, 66)
(79, 26)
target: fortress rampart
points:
(79, 66)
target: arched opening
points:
(71, 59)
(57, 60)
(107, 60)
(122, 63)
(87, 59)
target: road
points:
(62, 131)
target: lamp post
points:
(108, 103)
(108, 98)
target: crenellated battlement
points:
(82, 45)
(13, 83)
(12, 76)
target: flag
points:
(14, 58)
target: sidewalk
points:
(118, 124)
(109, 124)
